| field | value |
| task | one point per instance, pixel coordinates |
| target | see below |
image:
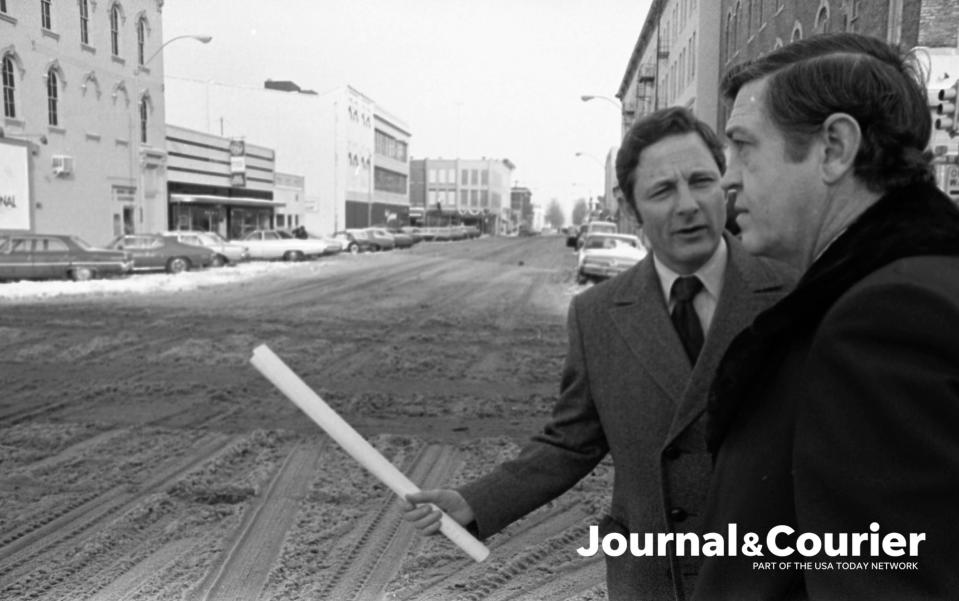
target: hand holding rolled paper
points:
(273, 368)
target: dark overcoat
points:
(839, 407)
(628, 388)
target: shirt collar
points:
(710, 273)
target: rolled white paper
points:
(276, 371)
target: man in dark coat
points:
(630, 387)
(837, 412)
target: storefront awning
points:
(240, 201)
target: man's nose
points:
(685, 201)
(731, 181)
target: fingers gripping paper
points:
(273, 368)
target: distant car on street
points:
(57, 256)
(380, 241)
(572, 236)
(352, 243)
(159, 252)
(595, 227)
(604, 256)
(226, 253)
(400, 240)
(281, 244)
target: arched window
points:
(822, 18)
(53, 95)
(115, 30)
(760, 18)
(144, 118)
(797, 32)
(141, 40)
(748, 25)
(9, 88)
(84, 22)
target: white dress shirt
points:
(710, 274)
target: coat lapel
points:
(639, 312)
(749, 286)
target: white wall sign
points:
(14, 187)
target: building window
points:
(484, 177)
(84, 22)
(115, 30)
(141, 41)
(464, 176)
(474, 177)
(46, 18)
(144, 119)
(692, 57)
(9, 88)
(760, 18)
(52, 97)
(822, 19)
(797, 32)
(3, 6)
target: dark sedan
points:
(55, 256)
(156, 252)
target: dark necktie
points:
(684, 315)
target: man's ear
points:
(841, 139)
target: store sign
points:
(14, 187)
(237, 163)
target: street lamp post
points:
(601, 165)
(140, 193)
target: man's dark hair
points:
(864, 77)
(673, 121)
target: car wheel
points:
(582, 279)
(178, 264)
(219, 261)
(292, 255)
(81, 274)
(375, 247)
(353, 248)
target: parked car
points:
(353, 244)
(413, 232)
(56, 256)
(400, 240)
(280, 244)
(156, 251)
(226, 253)
(595, 227)
(379, 241)
(333, 246)
(603, 256)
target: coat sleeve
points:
(877, 432)
(571, 444)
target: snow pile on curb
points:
(144, 283)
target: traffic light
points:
(945, 110)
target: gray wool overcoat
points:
(628, 389)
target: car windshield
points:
(608, 242)
(602, 227)
(81, 242)
(215, 237)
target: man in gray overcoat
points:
(642, 351)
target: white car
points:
(279, 244)
(603, 256)
(226, 252)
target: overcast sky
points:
(471, 78)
